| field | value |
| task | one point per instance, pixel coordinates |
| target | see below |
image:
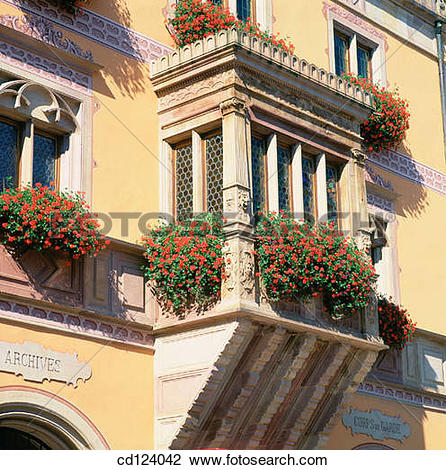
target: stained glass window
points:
(258, 173)
(8, 154)
(308, 188)
(341, 54)
(214, 173)
(364, 62)
(184, 182)
(44, 160)
(243, 9)
(283, 172)
(332, 194)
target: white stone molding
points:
(321, 187)
(297, 181)
(272, 174)
(50, 418)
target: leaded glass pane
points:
(44, 160)
(8, 154)
(258, 174)
(214, 173)
(308, 188)
(283, 170)
(244, 9)
(184, 182)
(332, 194)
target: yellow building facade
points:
(88, 359)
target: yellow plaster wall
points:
(426, 427)
(118, 398)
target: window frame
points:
(204, 165)
(347, 38)
(263, 137)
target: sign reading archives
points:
(35, 363)
(376, 424)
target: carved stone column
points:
(239, 283)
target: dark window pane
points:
(44, 160)
(258, 174)
(332, 194)
(283, 170)
(244, 9)
(8, 154)
(341, 54)
(184, 182)
(363, 62)
(214, 173)
(308, 188)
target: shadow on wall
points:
(129, 72)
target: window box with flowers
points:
(184, 263)
(44, 219)
(299, 260)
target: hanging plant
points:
(41, 218)
(300, 260)
(395, 326)
(185, 263)
(386, 127)
(194, 20)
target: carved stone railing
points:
(263, 50)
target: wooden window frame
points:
(369, 51)
(333, 165)
(204, 163)
(260, 136)
(348, 39)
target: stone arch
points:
(48, 417)
(373, 446)
(38, 101)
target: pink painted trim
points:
(97, 28)
(404, 166)
(53, 396)
(46, 68)
(76, 323)
(404, 396)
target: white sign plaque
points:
(35, 363)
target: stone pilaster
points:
(239, 258)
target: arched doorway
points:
(39, 419)
(13, 439)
